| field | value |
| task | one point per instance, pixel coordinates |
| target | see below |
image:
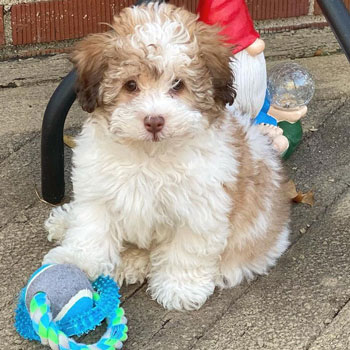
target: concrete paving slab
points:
(21, 115)
(25, 90)
(156, 328)
(19, 175)
(318, 112)
(300, 43)
(26, 72)
(23, 108)
(321, 163)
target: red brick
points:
(108, 11)
(79, 29)
(42, 52)
(318, 11)
(273, 9)
(44, 19)
(58, 20)
(2, 31)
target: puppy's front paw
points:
(92, 266)
(180, 294)
(57, 223)
(134, 267)
(230, 277)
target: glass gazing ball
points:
(290, 86)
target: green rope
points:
(50, 334)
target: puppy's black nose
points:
(154, 124)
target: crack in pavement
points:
(334, 316)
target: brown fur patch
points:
(90, 61)
(251, 194)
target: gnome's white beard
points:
(250, 81)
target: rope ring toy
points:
(35, 319)
(50, 333)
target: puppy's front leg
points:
(183, 268)
(90, 241)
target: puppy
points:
(168, 185)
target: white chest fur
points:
(153, 190)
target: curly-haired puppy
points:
(168, 185)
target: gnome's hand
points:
(279, 142)
(258, 46)
(291, 116)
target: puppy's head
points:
(158, 74)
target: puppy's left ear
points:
(217, 56)
(89, 58)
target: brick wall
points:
(36, 27)
(273, 9)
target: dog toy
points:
(59, 302)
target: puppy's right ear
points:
(89, 59)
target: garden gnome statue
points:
(249, 66)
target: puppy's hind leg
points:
(58, 222)
(250, 259)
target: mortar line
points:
(13, 85)
(133, 293)
(7, 25)
(311, 7)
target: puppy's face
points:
(159, 74)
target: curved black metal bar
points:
(338, 17)
(52, 153)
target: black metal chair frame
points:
(52, 147)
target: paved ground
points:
(302, 304)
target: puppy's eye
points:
(131, 85)
(178, 85)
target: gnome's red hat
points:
(233, 16)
